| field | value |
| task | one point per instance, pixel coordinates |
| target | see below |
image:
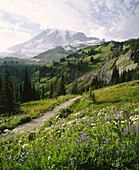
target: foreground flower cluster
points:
(89, 139)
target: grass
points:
(112, 63)
(124, 63)
(30, 111)
(103, 135)
(120, 94)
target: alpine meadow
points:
(69, 85)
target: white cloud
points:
(101, 18)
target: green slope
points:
(103, 135)
(77, 66)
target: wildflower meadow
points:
(101, 135)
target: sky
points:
(21, 20)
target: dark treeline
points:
(12, 94)
(56, 88)
(125, 76)
(17, 70)
(27, 90)
(8, 101)
(116, 78)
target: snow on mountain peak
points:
(48, 39)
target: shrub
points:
(64, 112)
(25, 119)
(2, 127)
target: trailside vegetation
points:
(100, 135)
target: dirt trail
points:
(38, 122)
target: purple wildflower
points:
(71, 159)
(10, 157)
(31, 154)
(107, 141)
(101, 148)
(6, 147)
(80, 159)
(41, 149)
(118, 165)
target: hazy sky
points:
(21, 20)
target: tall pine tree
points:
(61, 86)
(115, 76)
(42, 93)
(21, 93)
(27, 90)
(9, 104)
(51, 91)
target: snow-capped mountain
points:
(49, 39)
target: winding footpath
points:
(38, 122)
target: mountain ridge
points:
(48, 39)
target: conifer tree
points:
(115, 76)
(74, 89)
(21, 93)
(9, 104)
(30, 91)
(25, 86)
(34, 93)
(27, 90)
(16, 91)
(42, 92)
(91, 59)
(61, 86)
(51, 91)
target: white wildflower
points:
(93, 124)
(63, 124)
(6, 130)
(137, 109)
(57, 116)
(15, 130)
(99, 114)
(76, 114)
(123, 122)
(70, 122)
(25, 146)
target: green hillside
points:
(96, 135)
(52, 54)
(80, 67)
(86, 64)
